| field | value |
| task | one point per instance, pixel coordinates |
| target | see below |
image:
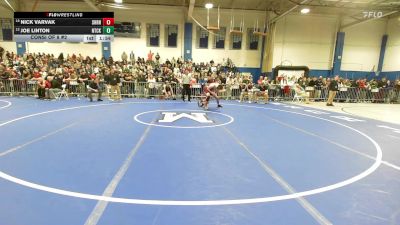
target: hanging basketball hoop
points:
(209, 27)
(257, 31)
(233, 29)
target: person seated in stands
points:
(374, 86)
(94, 87)
(230, 81)
(167, 91)
(262, 91)
(222, 78)
(5, 75)
(127, 76)
(1, 53)
(83, 81)
(41, 91)
(150, 56)
(260, 80)
(127, 85)
(73, 81)
(373, 83)
(246, 90)
(56, 83)
(26, 75)
(151, 81)
(36, 74)
(397, 90)
(2, 69)
(313, 83)
(302, 81)
(66, 79)
(141, 83)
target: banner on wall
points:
(127, 29)
(290, 73)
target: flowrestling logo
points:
(183, 118)
(372, 14)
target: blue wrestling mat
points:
(148, 162)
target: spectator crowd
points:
(153, 77)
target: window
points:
(202, 38)
(236, 39)
(171, 35)
(6, 29)
(219, 38)
(252, 40)
(127, 29)
(153, 35)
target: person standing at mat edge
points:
(186, 78)
(114, 82)
(333, 88)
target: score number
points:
(108, 25)
(108, 21)
(108, 30)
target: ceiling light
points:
(209, 6)
(118, 1)
(305, 10)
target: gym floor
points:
(171, 163)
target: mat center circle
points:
(183, 118)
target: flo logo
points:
(372, 14)
(170, 117)
(183, 118)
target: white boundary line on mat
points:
(371, 169)
(8, 104)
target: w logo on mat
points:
(170, 117)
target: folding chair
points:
(62, 93)
(300, 94)
(246, 94)
(297, 97)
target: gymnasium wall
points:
(310, 40)
(4, 12)
(86, 49)
(305, 40)
(242, 58)
(362, 46)
(299, 40)
(7, 45)
(392, 55)
(143, 14)
(160, 15)
(149, 14)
